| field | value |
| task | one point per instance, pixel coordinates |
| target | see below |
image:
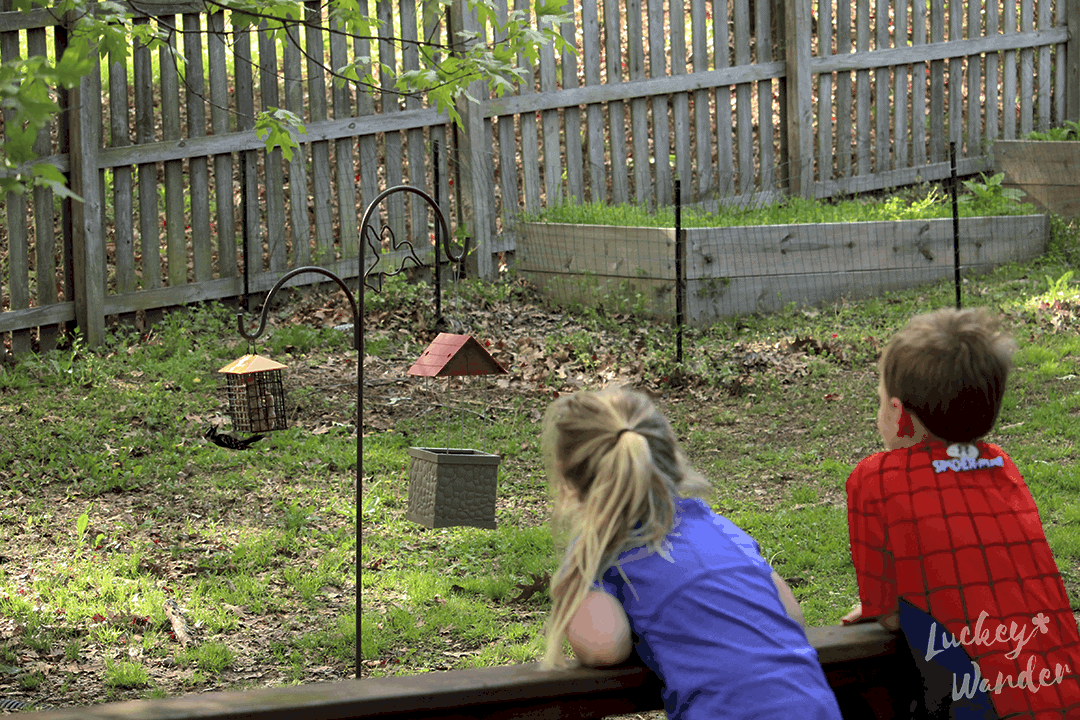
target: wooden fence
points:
(802, 96)
(178, 188)
(740, 99)
(863, 664)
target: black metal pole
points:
(680, 281)
(441, 231)
(955, 221)
(438, 233)
(244, 221)
(357, 306)
(358, 338)
(358, 329)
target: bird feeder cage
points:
(453, 486)
(256, 394)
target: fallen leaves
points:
(539, 583)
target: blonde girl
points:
(651, 569)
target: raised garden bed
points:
(1048, 171)
(737, 270)
(632, 268)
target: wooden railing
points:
(867, 667)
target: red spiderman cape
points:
(955, 532)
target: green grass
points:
(777, 443)
(258, 548)
(211, 657)
(918, 203)
(125, 675)
(112, 500)
(1069, 131)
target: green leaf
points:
(48, 175)
(82, 522)
(275, 127)
(72, 67)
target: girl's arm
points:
(791, 605)
(599, 632)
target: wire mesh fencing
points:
(761, 268)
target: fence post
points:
(1072, 70)
(88, 242)
(15, 207)
(475, 154)
(800, 109)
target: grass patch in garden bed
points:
(980, 198)
(759, 259)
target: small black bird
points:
(230, 442)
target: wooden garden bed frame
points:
(734, 271)
(1049, 172)
(859, 661)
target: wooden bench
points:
(864, 664)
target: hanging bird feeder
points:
(453, 486)
(256, 394)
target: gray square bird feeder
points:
(453, 486)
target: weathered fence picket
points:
(639, 107)
(725, 159)
(575, 177)
(415, 136)
(198, 167)
(661, 138)
(298, 182)
(620, 181)
(44, 233)
(223, 162)
(594, 112)
(274, 185)
(18, 258)
(748, 99)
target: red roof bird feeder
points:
(451, 486)
(454, 355)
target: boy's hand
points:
(854, 616)
(889, 622)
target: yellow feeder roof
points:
(251, 364)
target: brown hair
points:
(615, 468)
(949, 368)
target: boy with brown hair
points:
(946, 539)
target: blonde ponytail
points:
(615, 469)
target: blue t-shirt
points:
(709, 622)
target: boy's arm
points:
(874, 568)
(599, 632)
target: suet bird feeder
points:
(256, 394)
(453, 486)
